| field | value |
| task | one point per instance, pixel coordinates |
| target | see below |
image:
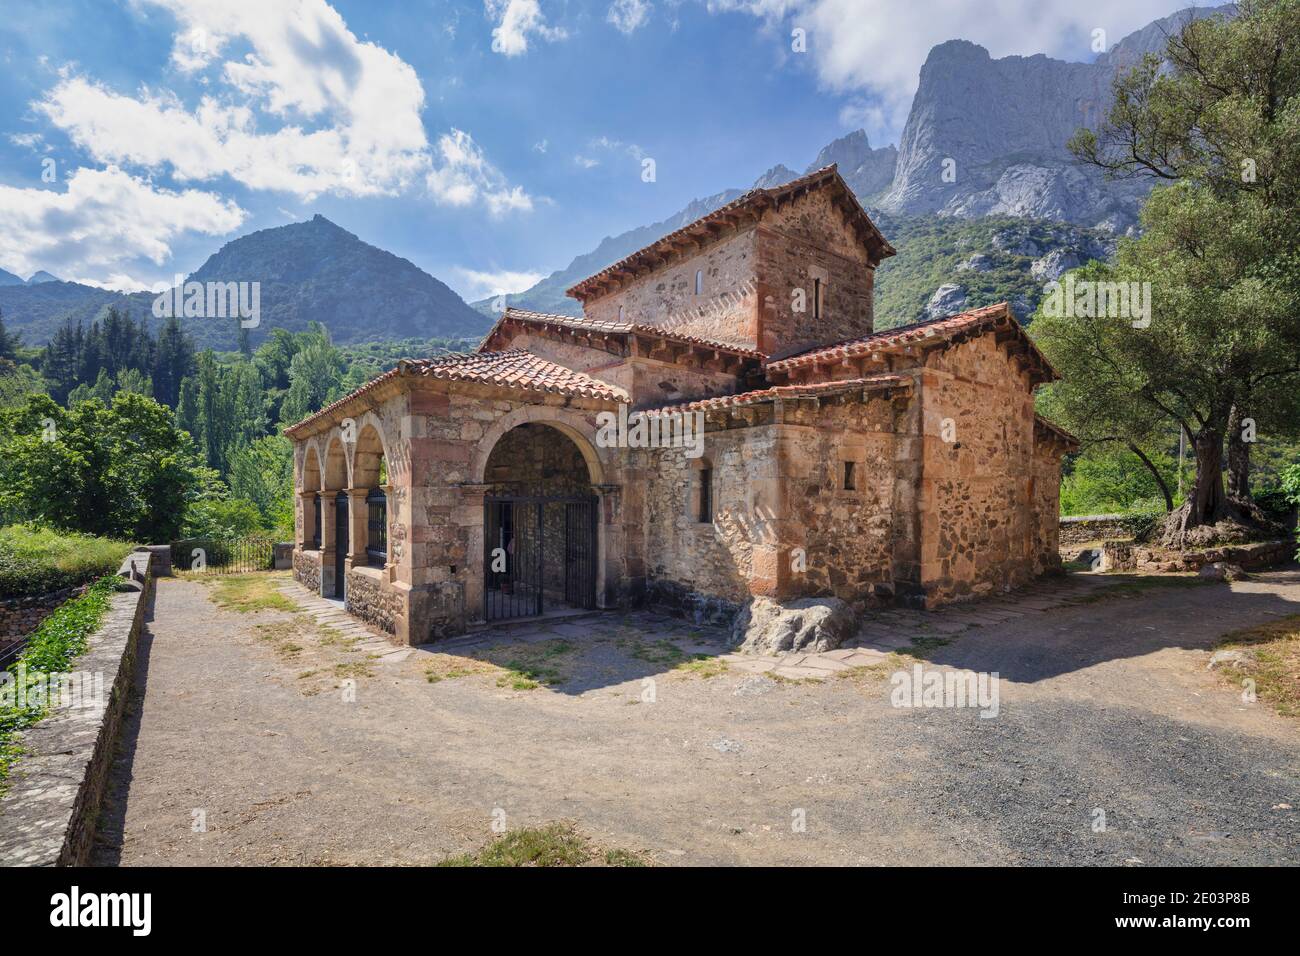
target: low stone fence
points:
(49, 813)
(1084, 528)
(1125, 556)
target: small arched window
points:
(620, 313)
(699, 282)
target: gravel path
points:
(1103, 707)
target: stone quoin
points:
(903, 465)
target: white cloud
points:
(480, 284)
(28, 140)
(103, 219)
(462, 176)
(586, 162)
(628, 16)
(310, 109)
(878, 47)
(516, 20)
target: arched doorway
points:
(540, 547)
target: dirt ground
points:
(261, 738)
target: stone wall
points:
(979, 529)
(306, 569)
(20, 616)
(1084, 528)
(846, 533)
(802, 241)
(684, 555)
(726, 310)
(370, 598)
(1125, 556)
(49, 813)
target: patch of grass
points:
(353, 669)
(702, 665)
(251, 592)
(59, 640)
(662, 651)
(38, 560)
(925, 645)
(529, 666)
(282, 636)
(871, 674)
(555, 844)
(624, 858)
(1276, 669)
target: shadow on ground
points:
(1129, 616)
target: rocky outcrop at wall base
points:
(49, 813)
(766, 626)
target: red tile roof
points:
(1055, 431)
(946, 329)
(513, 368)
(606, 327)
(750, 205)
(870, 383)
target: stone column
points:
(307, 501)
(358, 535)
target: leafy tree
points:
(262, 472)
(10, 342)
(173, 362)
(315, 375)
(1220, 245)
(118, 471)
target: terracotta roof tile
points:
(919, 333)
(811, 390)
(606, 327)
(513, 368)
(1056, 431)
(647, 259)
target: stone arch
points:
(334, 473)
(370, 447)
(311, 466)
(571, 423)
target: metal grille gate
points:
(538, 551)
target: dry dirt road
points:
(240, 722)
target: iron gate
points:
(538, 551)
(341, 544)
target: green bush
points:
(39, 560)
(59, 640)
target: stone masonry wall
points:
(369, 598)
(50, 811)
(796, 243)
(726, 310)
(847, 533)
(683, 554)
(977, 520)
(306, 569)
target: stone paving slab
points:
(378, 644)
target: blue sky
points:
(489, 141)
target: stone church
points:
(800, 452)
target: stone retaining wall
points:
(1083, 528)
(20, 616)
(49, 813)
(1124, 556)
